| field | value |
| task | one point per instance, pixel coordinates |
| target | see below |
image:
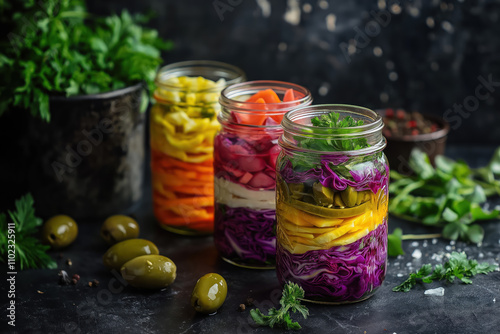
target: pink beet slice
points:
(261, 180)
(251, 164)
(273, 155)
(245, 178)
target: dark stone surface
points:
(110, 308)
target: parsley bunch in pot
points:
(84, 80)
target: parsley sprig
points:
(332, 123)
(30, 253)
(59, 48)
(290, 300)
(457, 267)
(450, 195)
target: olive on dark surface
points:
(118, 228)
(116, 256)
(209, 293)
(149, 272)
(59, 231)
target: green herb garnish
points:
(58, 48)
(30, 253)
(338, 126)
(290, 300)
(449, 195)
(458, 266)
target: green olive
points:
(331, 212)
(349, 196)
(116, 256)
(149, 272)
(59, 231)
(323, 195)
(296, 190)
(118, 228)
(209, 293)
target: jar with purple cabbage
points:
(331, 204)
(245, 152)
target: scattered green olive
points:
(149, 272)
(59, 231)
(349, 196)
(118, 228)
(209, 293)
(116, 256)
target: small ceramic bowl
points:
(399, 147)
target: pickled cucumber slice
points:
(296, 190)
(322, 195)
(331, 212)
(349, 196)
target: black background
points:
(423, 55)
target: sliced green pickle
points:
(323, 195)
(349, 196)
(296, 190)
(331, 212)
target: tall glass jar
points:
(332, 198)
(183, 126)
(245, 155)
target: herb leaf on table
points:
(449, 196)
(30, 252)
(457, 267)
(290, 300)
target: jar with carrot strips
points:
(331, 204)
(183, 125)
(245, 155)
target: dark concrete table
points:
(43, 306)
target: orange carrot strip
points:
(189, 201)
(209, 191)
(268, 95)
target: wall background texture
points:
(429, 56)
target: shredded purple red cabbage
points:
(246, 234)
(370, 178)
(341, 273)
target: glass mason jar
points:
(245, 172)
(183, 125)
(331, 204)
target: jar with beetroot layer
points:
(331, 204)
(245, 152)
(183, 126)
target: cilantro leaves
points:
(457, 267)
(66, 51)
(290, 300)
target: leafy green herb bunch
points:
(56, 47)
